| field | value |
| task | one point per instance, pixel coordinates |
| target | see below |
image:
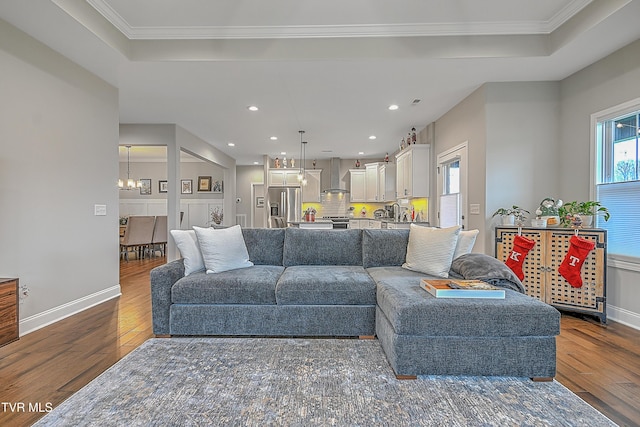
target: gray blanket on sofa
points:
(481, 267)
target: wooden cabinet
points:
(311, 191)
(540, 268)
(284, 178)
(412, 171)
(357, 192)
(8, 310)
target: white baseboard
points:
(40, 320)
(623, 316)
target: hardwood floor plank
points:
(601, 364)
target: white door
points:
(452, 187)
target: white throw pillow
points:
(430, 250)
(466, 240)
(223, 248)
(187, 243)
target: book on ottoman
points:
(453, 288)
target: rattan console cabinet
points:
(540, 268)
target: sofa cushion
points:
(466, 240)
(384, 247)
(222, 249)
(264, 245)
(430, 250)
(187, 244)
(413, 311)
(322, 247)
(325, 285)
(252, 285)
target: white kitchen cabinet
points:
(372, 223)
(412, 171)
(371, 182)
(358, 192)
(387, 182)
(354, 223)
(284, 178)
(311, 191)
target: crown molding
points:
(336, 31)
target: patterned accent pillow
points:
(430, 250)
(222, 249)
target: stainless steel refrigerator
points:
(285, 203)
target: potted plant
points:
(584, 210)
(511, 216)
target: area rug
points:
(303, 382)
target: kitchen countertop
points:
(389, 220)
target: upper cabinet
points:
(387, 182)
(311, 191)
(412, 171)
(380, 182)
(283, 178)
(357, 192)
(371, 182)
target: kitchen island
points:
(363, 223)
(318, 224)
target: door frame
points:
(460, 152)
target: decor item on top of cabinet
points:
(414, 136)
(549, 210)
(571, 212)
(276, 163)
(358, 163)
(314, 163)
(386, 158)
(511, 216)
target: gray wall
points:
(531, 140)
(59, 158)
(245, 175)
(607, 83)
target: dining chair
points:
(160, 235)
(137, 236)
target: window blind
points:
(623, 228)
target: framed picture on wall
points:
(259, 202)
(162, 186)
(186, 186)
(204, 183)
(217, 187)
(145, 186)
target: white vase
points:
(587, 220)
(508, 219)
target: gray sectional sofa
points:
(351, 283)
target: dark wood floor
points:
(601, 364)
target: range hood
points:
(335, 183)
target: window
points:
(617, 135)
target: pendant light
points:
(303, 157)
(301, 172)
(131, 184)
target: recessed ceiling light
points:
(393, 107)
(252, 108)
(274, 138)
(372, 137)
(231, 144)
(283, 153)
(256, 163)
(360, 153)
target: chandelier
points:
(131, 184)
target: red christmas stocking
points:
(571, 266)
(521, 247)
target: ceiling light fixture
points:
(372, 137)
(231, 144)
(393, 107)
(131, 184)
(303, 157)
(274, 138)
(360, 153)
(252, 108)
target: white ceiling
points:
(328, 67)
